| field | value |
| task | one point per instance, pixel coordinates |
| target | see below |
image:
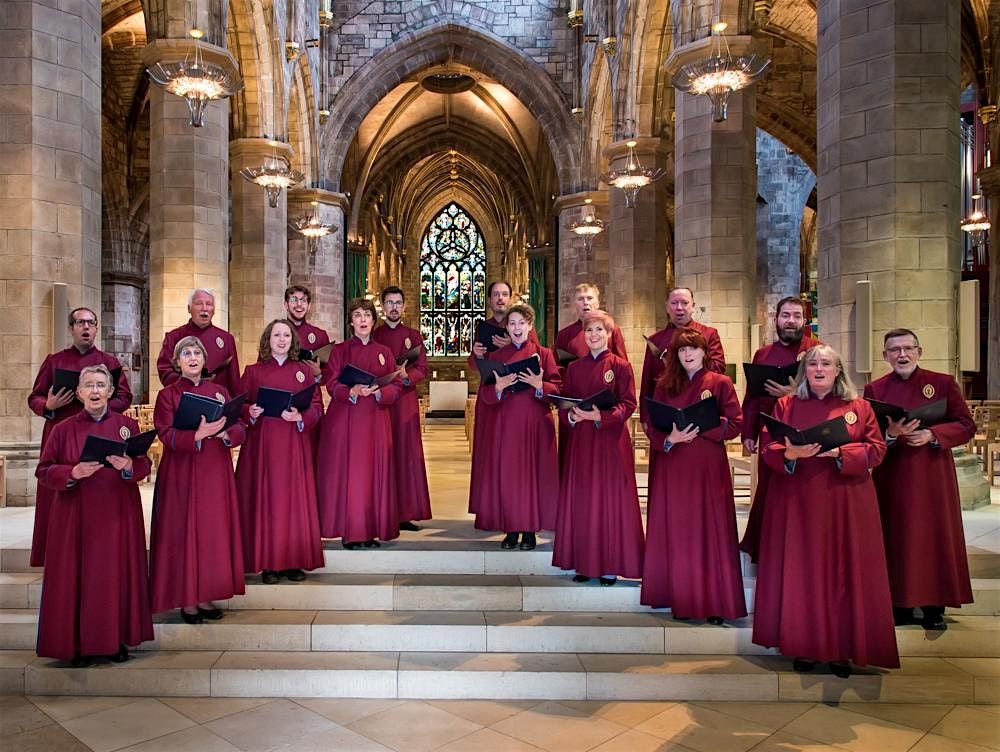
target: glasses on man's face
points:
(907, 350)
(392, 304)
(84, 322)
(295, 299)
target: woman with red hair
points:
(692, 562)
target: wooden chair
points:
(470, 420)
(987, 419)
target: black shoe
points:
(715, 621)
(295, 575)
(509, 541)
(933, 620)
(608, 581)
(581, 578)
(121, 656)
(902, 616)
(80, 661)
(803, 665)
(351, 545)
(409, 526)
(681, 618)
(209, 613)
(841, 669)
(372, 544)
(269, 577)
(527, 541)
(191, 618)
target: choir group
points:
(855, 522)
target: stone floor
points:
(57, 723)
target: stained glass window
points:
(452, 282)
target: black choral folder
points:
(603, 400)
(351, 375)
(565, 357)
(192, 407)
(96, 448)
(409, 357)
(929, 414)
(276, 401)
(66, 378)
(321, 354)
(703, 414)
(828, 434)
(757, 374)
(207, 374)
(485, 332)
(490, 369)
(655, 349)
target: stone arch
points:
(301, 121)
(247, 39)
(446, 42)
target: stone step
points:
(554, 676)
(494, 632)
(438, 592)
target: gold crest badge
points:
(312, 338)
(218, 396)
(220, 342)
(300, 377)
(609, 376)
(124, 432)
(381, 358)
(706, 393)
(407, 343)
(850, 417)
(928, 390)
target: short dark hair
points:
(392, 290)
(790, 300)
(297, 288)
(494, 283)
(72, 314)
(900, 332)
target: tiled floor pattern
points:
(106, 724)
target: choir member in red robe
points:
(680, 307)
(95, 598)
(275, 479)
(357, 477)
(917, 488)
(219, 343)
(298, 300)
(195, 549)
(408, 446)
(822, 587)
(520, 475)
(793, 340)
(57, 407)
(571, 339)
(692, 561)
(599, 526)
(499, 292)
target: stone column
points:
(50, 200)
(258, 267)
(319, 264)
(576, 266)
(188, 202)
(639, 242)
(715, 188)
(888, 181)
(989, 179)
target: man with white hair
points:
(221, 361)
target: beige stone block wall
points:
(319, 264)
(575, 267)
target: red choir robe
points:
(71, 359)
(571, 339)
(692, 561)
(918, 497)
(310, 337)
(599, 526)
(775, 354)
(482, 430)
(95, 594)
(275, 479)
(412, 495)
(195, 548)
(356, 481)
(652, 366)
(822, 586)
(520, 474)
(219, 345)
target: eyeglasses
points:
(908, 350)
(295, 299)
(84, 322)
(188, 353)
(392, 303)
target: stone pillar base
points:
(973, 488)
(22, 459)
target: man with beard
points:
(792, 342)
(56, 407)
(414, 502)
(500, 295)
(917, 489)
(221, 360)
(680, 307)
(298, 300)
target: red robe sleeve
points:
(647, 387)
(959, 427)
(773, 452)
(751, 410)
(164, 362)
(618, 344)
(551, 380)
(715, 352)
(729, 409)
(338, 392)
(625, 391)
(859, 457)
(312, 416)
(53, 470)
(40, 391)
(163, 420)
(232, 372)
(122, 398)
(417, 372)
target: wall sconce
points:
(291, 50)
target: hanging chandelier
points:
(588, 227)
(196, 81)
(311, 227)
(720, 74)
(273, 175)
(976, 225)
(633, 177)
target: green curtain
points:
(536, 294)
(357, 275)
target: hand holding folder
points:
(351, 375)
(829, 434)
(703, 415)
(603, 400)
(275, 401)
(321, 354)
(928, 414)
(193, 407)
(485, 333)
(66, 378)
(490, 369)
(99, 448)
(409, 357)
(758, 374)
